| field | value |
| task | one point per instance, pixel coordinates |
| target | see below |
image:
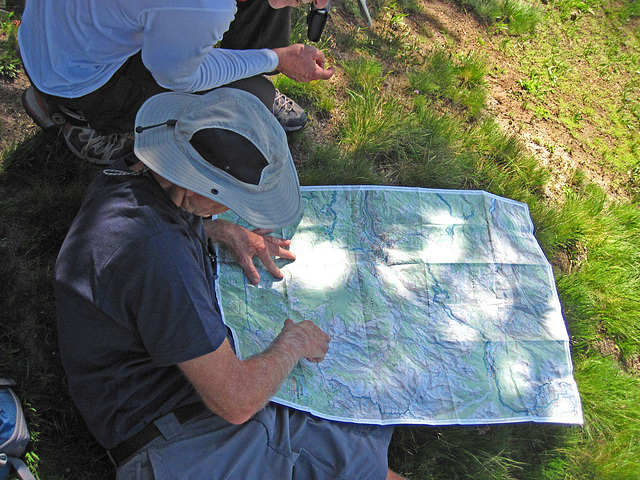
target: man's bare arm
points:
(236, 389)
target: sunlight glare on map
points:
(458, 331)
(441, 245)
(319, 266)
(514, 377)
(442, 254)
(437, 218)
(552, 328)
(520, 370)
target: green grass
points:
(609, 444)
(41, 189)
(9, 60)
(513, 16)
(460, 79)
(594, 44)
(410, 111)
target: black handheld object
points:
(316, 20)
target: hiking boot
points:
(290, 115)
(38, 109)
(95, 148)
(82, 140)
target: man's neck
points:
(175, 192)
(136, 167)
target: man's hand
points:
(244, 245)
(307, 338)
(303, 63)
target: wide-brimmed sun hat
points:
(225, 145)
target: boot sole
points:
(37, 109)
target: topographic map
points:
(441, 306)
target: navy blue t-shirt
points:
(134, 296)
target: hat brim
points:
(162, 150)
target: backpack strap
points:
(21, 468)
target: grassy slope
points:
(381, 132)
(411, 117)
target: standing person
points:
(150, 364)
(93, 63)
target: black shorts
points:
(112, 108)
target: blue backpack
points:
(14, 434)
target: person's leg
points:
(113, 107)
(258, 86)
(394, 476)
(258, 25)
(278, 443)
(83, 141)
(329, 449)
(97, 127)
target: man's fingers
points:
(269, 264)
(316, 341)
(276, 251)
(262, 231)
(322, 73)
(325, 74)
(275, 245)
(250, 271)
(280, 242)
(303, 63)
(315, 359)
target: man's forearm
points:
(268, 369)
(183, 60)
(236, 389)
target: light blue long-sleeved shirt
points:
(72, 47)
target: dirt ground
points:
(15, 124)
(549, 141)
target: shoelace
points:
(102, 143)
(282, 102)
(78, 115)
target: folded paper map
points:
(441, 306)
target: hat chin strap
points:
(169, 123)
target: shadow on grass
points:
(482, 453)
(41, 189)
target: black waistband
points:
(124, 450)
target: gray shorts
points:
(278, 443)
